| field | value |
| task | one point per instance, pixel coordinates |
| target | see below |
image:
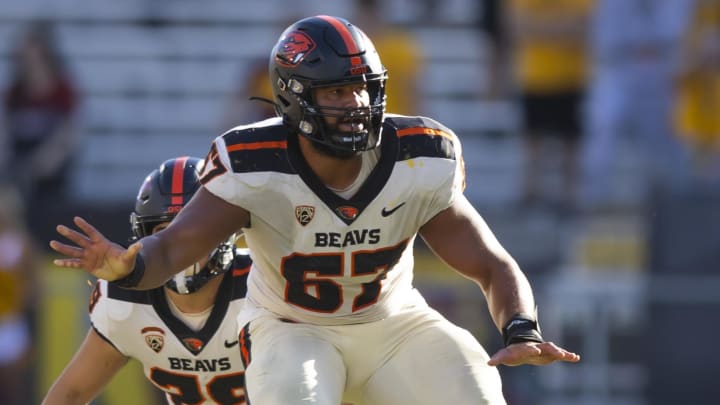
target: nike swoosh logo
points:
(231, 344)
(387, 212)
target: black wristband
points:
(521, 328)
(133, 278)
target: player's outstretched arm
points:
(197, 229)
(94, 365)
(93, 252)
(460, 237)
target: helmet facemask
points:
(366, 121)
(195, 277)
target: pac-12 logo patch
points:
(304, 214)
(154, 338)
(294, 47)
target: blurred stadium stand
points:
(684, 298)
(156, 75)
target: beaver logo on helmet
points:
(294, 48)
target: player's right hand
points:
(93, 252)
(537, 354)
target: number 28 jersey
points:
(320, 258)
(192, 367)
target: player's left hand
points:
(537, 354)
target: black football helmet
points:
(328, 51)
(161, 196)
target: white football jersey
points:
(320, 258)
(203, 367)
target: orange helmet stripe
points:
(177, 181)
(346, 36)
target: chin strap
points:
(264, 100)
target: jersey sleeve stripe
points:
(241, 272)
(423, 131)
(258, 145)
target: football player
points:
(331, 195)
(185, 332)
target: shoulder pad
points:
(423, 137)
(258, 149)
(113, 302)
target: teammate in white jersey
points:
(331, 195)
(185, 332)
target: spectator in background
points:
(39, 107)
(550, 56)
(491, 23)
(697, 111)
(17, 301)
(636, 48)
(400, 54)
